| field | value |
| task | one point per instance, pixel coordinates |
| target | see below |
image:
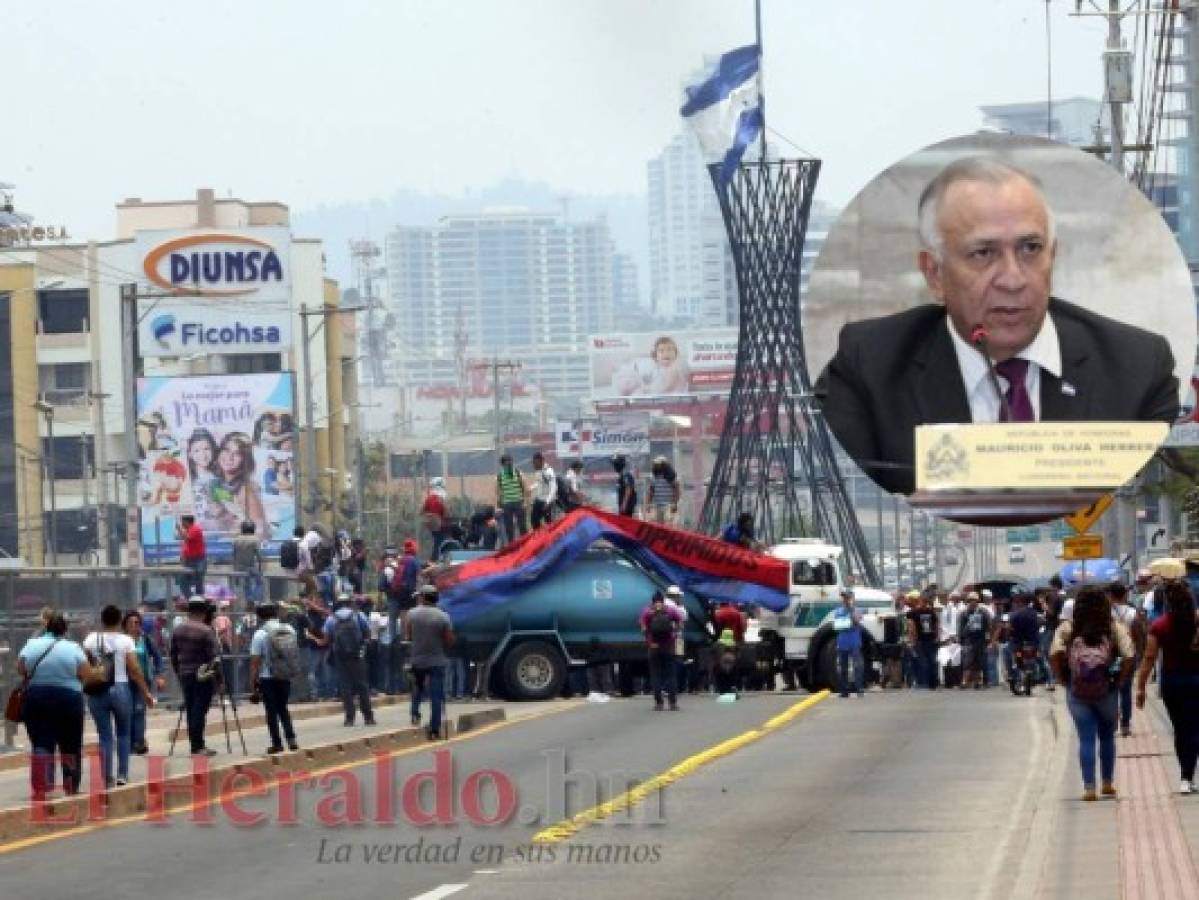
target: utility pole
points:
(83, 476)
(461, 338)
(1117, 81)
(496, 365)
(129, 356)
(52, 475)
(103, 526)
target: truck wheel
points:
(534, 670)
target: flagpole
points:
(761, 72)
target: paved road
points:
(896, 795)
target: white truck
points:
(802, 638)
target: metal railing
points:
(81, 593)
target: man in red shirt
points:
(728, 616)
(433, 516)
(193, 555)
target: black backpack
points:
(289, 554)
(661, 626)
(348, 642)
(322, 556)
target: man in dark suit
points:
(988, 250)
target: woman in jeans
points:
(53, 710)
(112, 710)
(1094, 637)
(1173, 636)
(149, 660)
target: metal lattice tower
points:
(776, 458)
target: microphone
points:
(978, 338)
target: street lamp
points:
(48, 411)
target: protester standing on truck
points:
(545, 492)
(661, 625)
(433, 515)
(665, 491)
(626, 487)
(510, 498)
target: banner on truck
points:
(702, 565)
(219, 447)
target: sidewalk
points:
(1142, 846)
(324, 729)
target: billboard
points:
(595, 438)
(220, 447)
(659, 364)
(237, 286)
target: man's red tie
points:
(1018, 402)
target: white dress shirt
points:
(1045, 352)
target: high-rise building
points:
(531, 287)
(691, 267)
(1069, 121)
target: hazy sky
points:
(311, 102)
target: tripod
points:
(213, 670)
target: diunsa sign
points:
(215, 264)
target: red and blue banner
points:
(701, 565)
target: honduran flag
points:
(724, 108)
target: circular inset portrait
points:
(996, 279)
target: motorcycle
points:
(1024, 669)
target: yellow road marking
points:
(25, 843)
(569, 827)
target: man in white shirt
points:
(545, 491)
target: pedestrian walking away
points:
(53, 670)
(346, 633)
(1172, 636)
(431, 634)
(661, 626)
(274, 664)
(1124, 613)
(1084, 652)
(626, 487)
(847, 625)
(111, 703)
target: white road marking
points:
(444, 890)
(487, 871)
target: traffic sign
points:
(1083, 519)
(1157, 539)
(1083, 546)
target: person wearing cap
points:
(662, 625)
(266, 645)
(194, 644)
(431, 634)
(724, 673)
(510, 498)
(924, 631)
(665, 491)
(433, 515)
(847, 625)
(545, 492)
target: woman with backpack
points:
(1173, 636)
(1085, 652)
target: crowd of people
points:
(1105, 643)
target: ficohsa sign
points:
(215, 265)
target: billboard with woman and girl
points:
(220, 448)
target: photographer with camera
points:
(194, 650)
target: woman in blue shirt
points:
(53, 710)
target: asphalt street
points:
(897, 795)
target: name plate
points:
(1033, 455)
